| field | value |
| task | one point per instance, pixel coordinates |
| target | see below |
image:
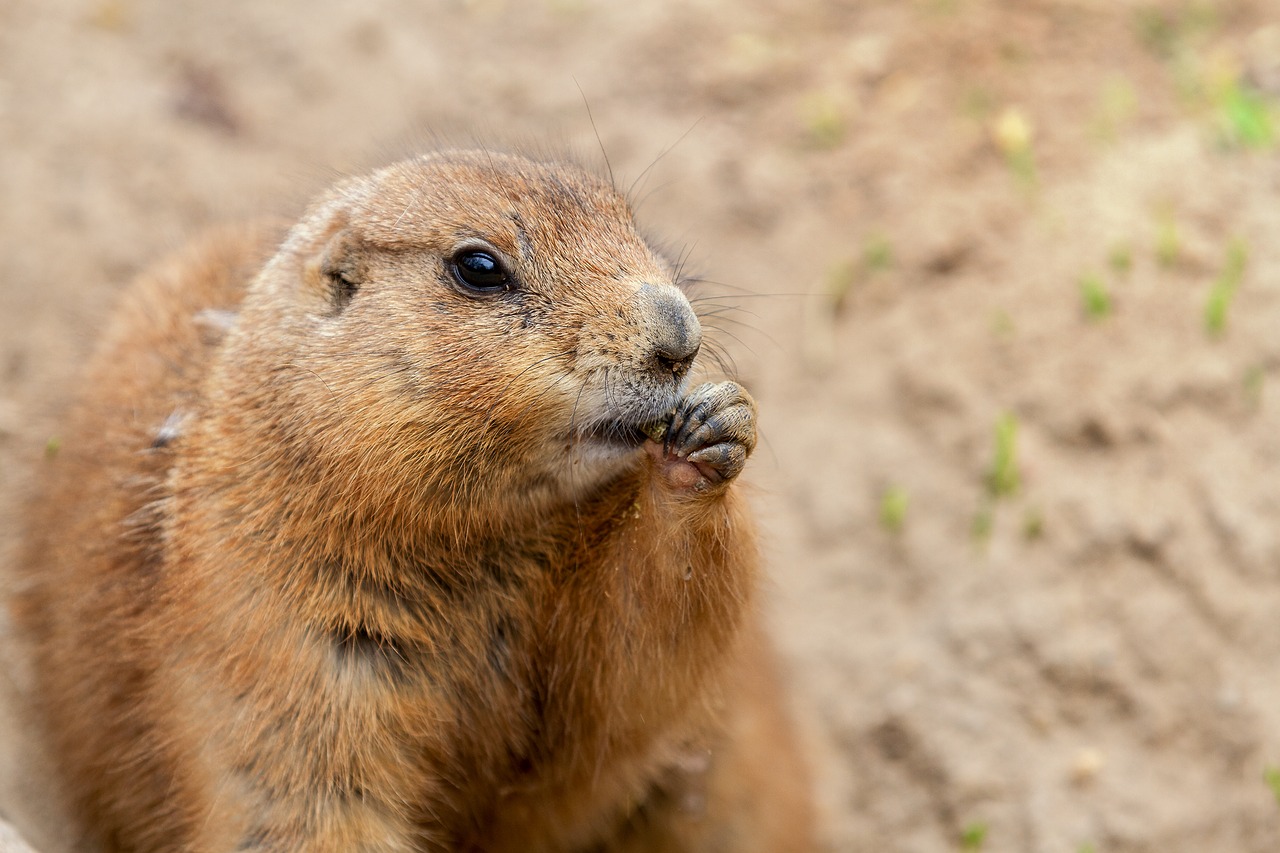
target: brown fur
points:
(339, 574)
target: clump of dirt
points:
(1003, 277)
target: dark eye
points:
(480, 271)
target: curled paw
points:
(709, 437)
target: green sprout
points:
(1245, 116)
(1120, 258)
(984, 522)
(877, 253)
(1003, 477)
(1271, 776)
(52, 446)
(1002, 324)
(893, 509)
(1215, 309)
(841, 277)
(1166, 33)
(1095, 297)
(1157, 31)
(1254, 379)
(1033, 525)
(1168, 242)
(844, 275)
(973, 836)
(824, 119)
(1237, 258)
(1224, 289)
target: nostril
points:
(677, 344)
(676, 363)
(674, 334)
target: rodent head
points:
(480, 312)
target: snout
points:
(670, 329)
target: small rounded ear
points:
(337, 270)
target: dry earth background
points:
(944, 221)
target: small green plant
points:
(1120, 259)
(1215, 309)
(973, 836)
(844, 275)
(984, 522)
(1033, 525)
(1168, 241)
(1166, 32)
(1095, 297)
(840, 279)
(824, 119)
(1254, 380)
(1237, 258)
(1087, 847)
(1245, 116)
(1224, 289)
(893, 509)
(1271, 776)
(1003, 478)
(1157, 30)
(1002, 324)
(877, 253)
(52, 446)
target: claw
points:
(708, 438)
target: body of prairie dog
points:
(403, 529)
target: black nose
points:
(674, 333)
(676, 355)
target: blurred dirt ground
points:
(1006, 280)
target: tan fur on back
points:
(331, 573)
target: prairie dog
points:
(404, 530)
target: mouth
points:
(628, 434)
(625, 415)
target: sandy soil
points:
(936, 217)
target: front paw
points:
(709, 437)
